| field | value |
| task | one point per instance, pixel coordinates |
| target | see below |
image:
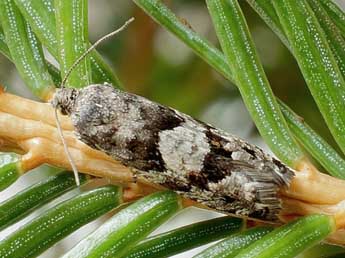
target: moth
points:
(169, 148)
(174, 150)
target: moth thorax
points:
(64, 100)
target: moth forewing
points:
(176, 151)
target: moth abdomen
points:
(172, 149)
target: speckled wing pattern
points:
(174, 150)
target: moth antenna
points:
(68, 154)
(77, 62)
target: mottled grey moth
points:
(176, 151)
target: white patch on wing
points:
(241, 155)
(235, 185)
(184, 148)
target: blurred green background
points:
(153, 63)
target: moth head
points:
(64, 100)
